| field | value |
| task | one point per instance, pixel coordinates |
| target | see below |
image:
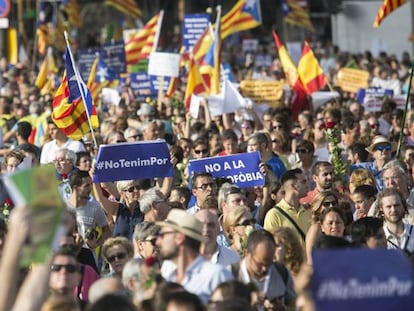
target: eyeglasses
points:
(247, 222)
(132, 189)
(162, 234)
(152, 241)
(302, 151)
(205, 186)
(61, 160)
(202, 151)
(382, 148)
(69, 268)
(329, 204)
(117, 256)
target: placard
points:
(163, 64)
(350, 80)
(263, 92)
(193, 26)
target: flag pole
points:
(161, 79)
(80, 89)
(407, 100)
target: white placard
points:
(163, 64)
(110, 96)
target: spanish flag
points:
(299, 101)
(310, 73)
(387, 7)
(195, 84)
(70, 111)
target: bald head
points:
(103, 287)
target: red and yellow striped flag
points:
(142, 43)
(128, 7)
(387, 7)
(96, 84)
(297, 14)
(310, 73)
(195, 84)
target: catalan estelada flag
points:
(100, 76)
(387, 7)
(211, 63)
(70, 112)
(297, 14)
(144, 41)
(299, 102)
(310, 73)
(128, 7)
(244, 15)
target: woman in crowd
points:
(320, 203)
(288, 249)
(333, 222)
(116, 252)
(237, 224)
(12, 160)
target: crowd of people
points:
(196, 242)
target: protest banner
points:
(138, 160)
(350, 80)
(163, 64)
(85, 61)
(37, 188)
(250, 45)
(146, 85)
(193, 26)
(361, 279)
(113, 55)
(263, 92)
(372, 98)
(241, 168)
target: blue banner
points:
(138, 160)
(193, 26)
(373, 92)
(146, 85)
(85, 62)
(241, 168)
(362, 279)
(113, 55)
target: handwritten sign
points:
(263, 92)
(242, 168)
(138, 160)
(350, 80)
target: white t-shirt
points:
(49, 149)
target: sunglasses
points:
(69, 268)
(132, 189)
(205, 186)
(198, 151)
(329, 204)
(118, 256)
(382, 148)
(152, 241)
(248, 222)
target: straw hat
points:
(378, 140)
(179, 220)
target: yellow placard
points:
(350, 80)
(263, 92)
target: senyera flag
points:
(72, 104)
(387, 7)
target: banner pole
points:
(77, 75)
(407, 100)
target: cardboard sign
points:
(362, 279)
(193, 26)
(138, 160)
(164, 64)
(241, 168)
(372, 98)
(263, 92)
(350, 80)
